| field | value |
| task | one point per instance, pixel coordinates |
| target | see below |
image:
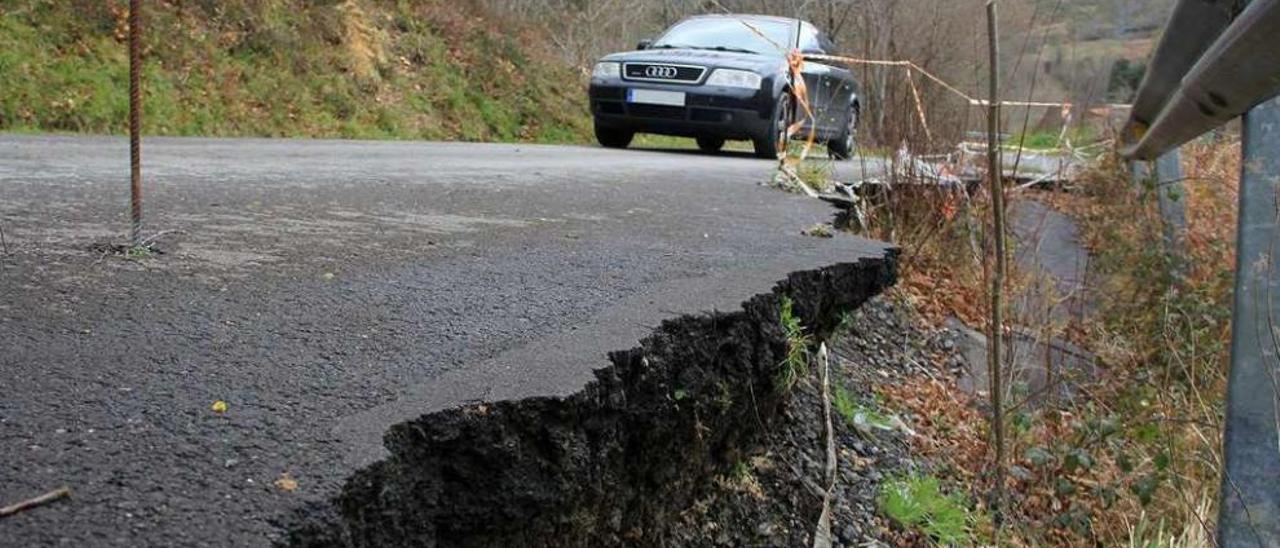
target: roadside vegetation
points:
(1157, 419)
(289, 68)
(1133, 458)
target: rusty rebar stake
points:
(135, 123)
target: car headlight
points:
(735, 79)
(607, 70)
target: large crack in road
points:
(327, 291)
(613, 464)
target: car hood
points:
(761, 64)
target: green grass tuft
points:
(917, 503)
(796, 363)
(856, 414)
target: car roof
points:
(747, 16)
(744, 16)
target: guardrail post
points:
(1140, 172)
(1164, 178)
(1171, 199)
(1250, 495)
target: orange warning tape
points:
(795, 60)
(915, 93)
(972, 101)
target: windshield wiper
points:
(731, 49)
(707, 48)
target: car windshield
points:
(729, 34)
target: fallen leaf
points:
(219, 406)
(286, 482)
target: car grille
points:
(657, 72)
(610, 107)
(709, 115)
(656, 111)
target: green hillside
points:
(287, 68)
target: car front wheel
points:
(614, 138)
(772, 145)
(843, 146)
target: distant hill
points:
(1112, 19)
(289, 68)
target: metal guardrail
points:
(1192, 28)
(1219, 60)
(1185, 95)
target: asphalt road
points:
(326, 290)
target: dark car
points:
(723, 77)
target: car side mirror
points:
(645, 44)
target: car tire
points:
(710, 144)
(769, 146)
(844, 145)
(614, 138)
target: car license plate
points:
(656, 97)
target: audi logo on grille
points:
(657, 71)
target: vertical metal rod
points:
(1171, 199)
(1249, 512)
(135, 123)
(995, 174)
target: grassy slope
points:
(288, 68)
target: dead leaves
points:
(948, 424)
(286, 483)
(937, 296)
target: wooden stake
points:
(995, 339)
(822, 533)
(46, 498)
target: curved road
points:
(326, 290)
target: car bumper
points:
(708, 112)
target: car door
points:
(821, 78)
(843, 88)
